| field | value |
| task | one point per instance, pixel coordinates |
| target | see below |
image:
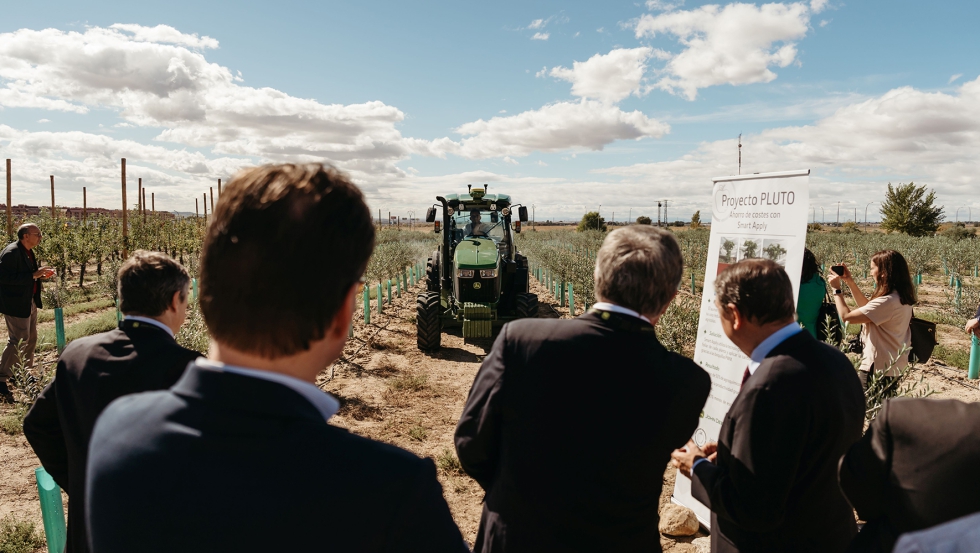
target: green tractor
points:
(476, 279)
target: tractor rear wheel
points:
(432, 281)
(526, 306)
(428, 324)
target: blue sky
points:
(414, 100)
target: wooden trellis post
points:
(10, 219)
(125, 213)
(52, 196)
(84, 204)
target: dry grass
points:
(413, 382)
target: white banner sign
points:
(753, 216)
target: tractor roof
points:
(503, 199)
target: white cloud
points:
(664, 6)
(560, 126)
(43, 120)
(825, 22)
(510, 160)
(166, 34)
(732, 45)
(954, 78)
(537, 24)
(607, 77)
(541, 36)
(929, 137)
(502, 111)
(817, 6)
(576, 35)
(600, 30)
(166, 85)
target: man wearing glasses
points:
(20, 298)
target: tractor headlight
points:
(465, 273)
(505, 211)
(493, 207)
(450, 211)
(488, 273)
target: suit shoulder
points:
(79, 349)
(691, 370)
(540, 330)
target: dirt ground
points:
(391, 391)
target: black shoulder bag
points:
(923, 339)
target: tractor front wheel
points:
(526, 306)
(428, 324)
(432, 280)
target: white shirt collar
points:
(149, 321)
(770, 343)
(325, 403)
(606, 306)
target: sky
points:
(567, 106)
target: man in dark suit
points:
(20, 298)
(770, 481)
(238, 455)
(141, 355)
(570, 422)
(912, 469)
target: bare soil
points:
(390, 391)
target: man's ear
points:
(736, 317)
(175, 301)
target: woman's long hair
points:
(810, 266)
(893, 276)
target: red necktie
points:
(745, 377)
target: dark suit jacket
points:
(915, 468)
(17, 281)
(569, 426)
(774, 487)
(228, 462)
(93, 371)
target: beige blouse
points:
(886, 335)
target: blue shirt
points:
(762, 350)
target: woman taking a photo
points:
(885, 316)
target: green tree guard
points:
(561, 292)
(571, 300)
(381, 299)
(390, 301)
(52, 511)
(367, 306)
(118, 313)
(398, 286)
(59, 328)
(974, 358)
(193, 289)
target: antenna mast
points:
(739, 153)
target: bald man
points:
(20, 298)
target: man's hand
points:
(44, 272)
(973, 327)
(683, 459)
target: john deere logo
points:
(477, 285)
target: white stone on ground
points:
(677, 520)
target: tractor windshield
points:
(480, 224)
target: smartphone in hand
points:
(839, 269)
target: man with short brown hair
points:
(140, 355)
(238, 455)
(20, 298)
(771, 480)
(568, 420)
